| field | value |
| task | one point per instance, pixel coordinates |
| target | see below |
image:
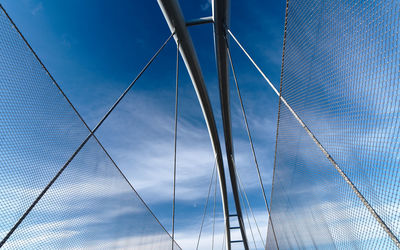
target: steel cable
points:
(325, 152)
(247, 129)
(215, 202)
(251, 210)
(206, 205)
(248, 218)
(42, 193)
(175, 142)
(250, 139)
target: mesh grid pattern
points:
(38, 129)
(341, 76)
(312, 206)
(90, 205)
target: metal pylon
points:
(175, 20)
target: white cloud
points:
(149, 242)
(37, 8)
(205, 6)
(145, 151)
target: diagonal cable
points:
(247, 216)
(245, 208)
(251, 210)
(324, 151)
(206, 205)
(277, 124)
(247, 129)
(175, 141)
(215, 202)
(244, 197)
(77, 113)
(134, 190)
(4, 240)
(250, 140)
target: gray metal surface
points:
(173, 15)
(221, 10)
(201, 20)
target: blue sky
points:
(95, 48)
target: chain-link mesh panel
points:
(341, 76)
(90, 205)
(38, 129)
(312, 205)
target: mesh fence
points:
(341, 76)
(90, 205)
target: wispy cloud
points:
(145, 153)
(37, 8)
(205, 6)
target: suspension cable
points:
(251, 145)
(248, 218)
(132, 83)
(255, 65)
(325, 152)
(43, 192)
(251, 210)
(206, 205)
(247, 128)
(215, 202)
(243, 191)
(77, 113)
(175, 142)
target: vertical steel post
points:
(174, 17)
(221, 10)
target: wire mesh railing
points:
(341, 76)
(336, 174)
(88, 203)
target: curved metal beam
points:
(174, 17)
(221, 9)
